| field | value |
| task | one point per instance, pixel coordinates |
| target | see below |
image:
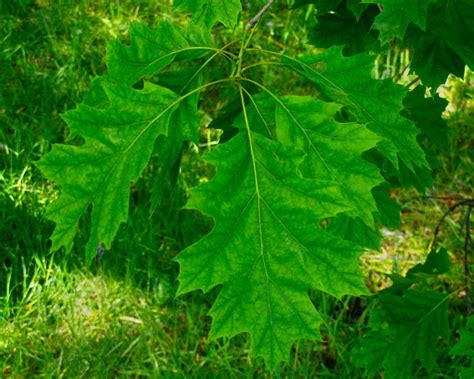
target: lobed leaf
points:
(152, 50)
(333, 150)
(465, 347)
(343, 28)
(119, 140)
(396, 15)
(374, 103)
(445, 47)
(407, 326)
(267, 249)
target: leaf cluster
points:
(302, 182)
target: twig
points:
(259, 15)
(469, 202)
(428, 197)
(467, 269)
(414, 81)
(400, 74)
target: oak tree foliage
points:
(294, 164)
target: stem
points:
(226, 54)
(401, 73)
(259, 15)
(209, 60)
(236, 70)
(243, 47)
(467, 269)
(259, 199)
(241, 53)
(258, 112)
(262, 63)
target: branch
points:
(428, 197)
(468, 202)
(259, 15)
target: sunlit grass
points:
(77, 323)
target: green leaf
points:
(446, 46)
(406, 327)
(465, 347)
(119, 140)
(433, 59)
(343, 28)
(326, 6)
(427, 113)
(333, 150)
(185, 124)
(152, 50)
(356, 7)
(354, 230)
(209, 12)
(374, 103)
(388, 209)
(148, 53)
(267, 249)
(396, 15)
(415, 322)
(436, 263)
(452, 21)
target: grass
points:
(71, 323)
(60, 318)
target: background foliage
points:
(121, 317)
